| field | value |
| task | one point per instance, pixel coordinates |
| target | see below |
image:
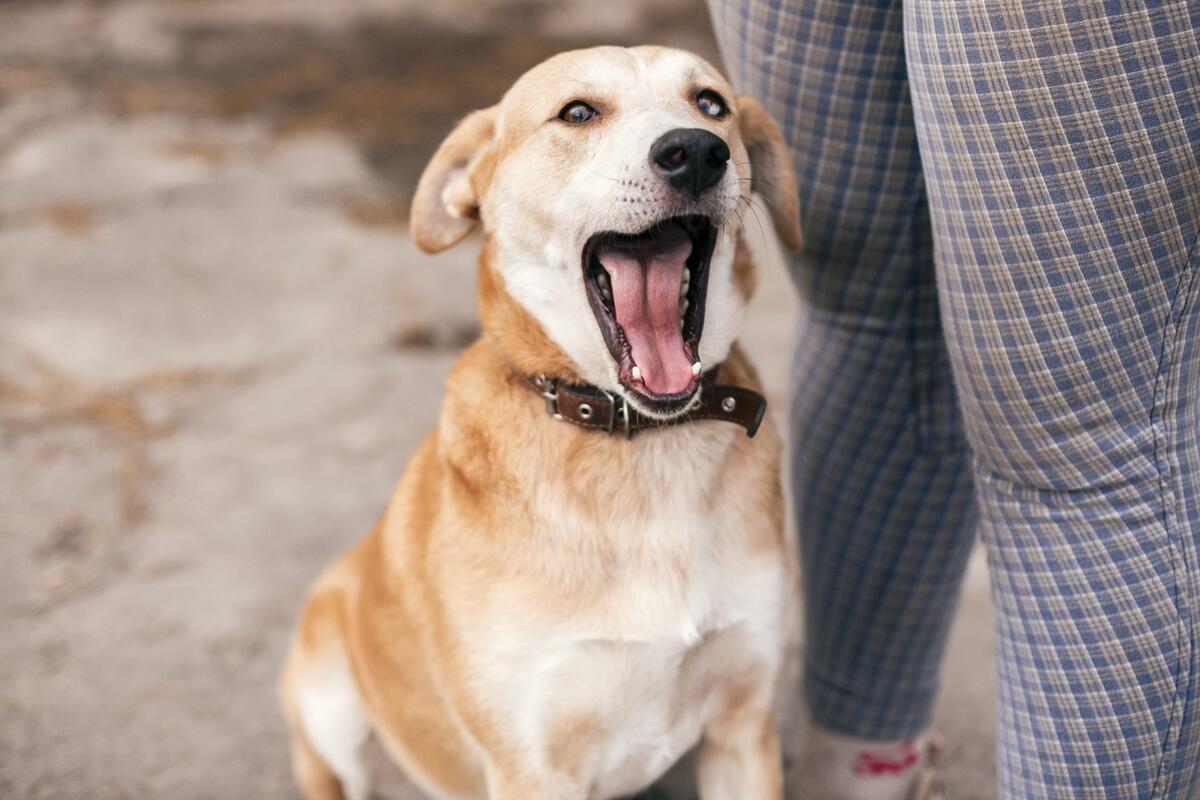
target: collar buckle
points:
(549, 389)
(616, 411)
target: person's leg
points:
(880, 474)
(1060, 143)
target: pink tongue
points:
(645, 286)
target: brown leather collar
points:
(596, 409)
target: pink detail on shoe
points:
(887, 760)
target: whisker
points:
(768, 201)
(757, 178)
(757, 219)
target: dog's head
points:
(608, 182)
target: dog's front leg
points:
(739, 756)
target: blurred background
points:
(218, 349)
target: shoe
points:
(927, 783)
(838, 767)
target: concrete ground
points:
(217, 348)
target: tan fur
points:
(512, 537)
(769, 152)
(444, 205)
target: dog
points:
(583, 572)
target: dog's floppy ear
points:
(771, 167)
(446, 205)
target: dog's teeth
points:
(683, 306)
(605, 286)
(681, 323)
(636, 372)
(696, 368)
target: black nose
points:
(691, 159)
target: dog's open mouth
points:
(647, 291)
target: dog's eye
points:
(577, 112)
(711, 104)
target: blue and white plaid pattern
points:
(1057, 177)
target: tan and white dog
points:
(546, 612)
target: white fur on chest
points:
(648, 702)
(690, 610)
(649, 686)
(681, 564)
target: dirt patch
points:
(15, 80)
(377, 215)
(72, 219)
(205, 152)
(447, 338)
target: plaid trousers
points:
(1000, 332)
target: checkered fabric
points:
(1048, 153)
